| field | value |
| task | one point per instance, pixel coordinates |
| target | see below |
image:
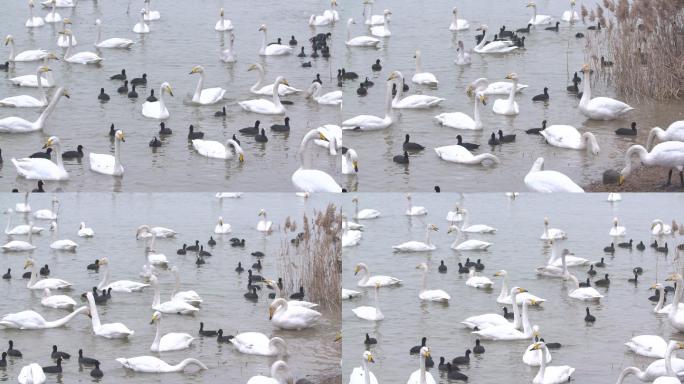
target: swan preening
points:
(567, 136)
(217, 150)
(675, 132)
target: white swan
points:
(669, 154)
(371, 281)
(223, 24)
(539, 180)
(32, 374)
(570, 259)
(329, 98)
(420, 376)
(538, 19)
(412, 101)
(414, 210)
(571, 16)
(26, 101)
(24, 207)
(149, 14)
(63, 38)
(553, 374)
(348, 294)
(669, 366)
(84, 231)
(506, 298)
(533, 358)
(22, 229)
(351, 237)
(222, 227)
(617, 230)
(43, 169)
(84, 57)
(648, 345)
(420, 77)
(370, 122)
(114, 42)
(418, 246)
(257, 88)
(35, 284)
(508, 106)
(382, 30)
(33, 21)
(567, 136)
(362, 375)
(329, 16)
(205, 96)
(272, 49)
(497, 46)
(145, 232)
(509, 332)
(583, 293)
(552, 233)
(264, 106)
(172, 341)
(157, 109)
(467, 245)
(216, 150)
(658, 228)
(430, 294)
(57, 301)
(18, 125)
(494, 319)
(63, 244)
(482, 85)
(480, 282)
(675, 316)
(190, 297)
(60, 3)
(29, 320)
(264, 225)
(30, 55)
(369, 313)
(659, 308)
(475, 228)
(462, 57)
(286, 316)
(53, 16)
(19, 245)
(255, 343)
(31, 81)
(456, 23)
(228, 55)
(123, 286)
(280, 374)
(151, 364)
(280, 293)
(313, 180)
(674, 132)
(554, 271)
(107, 164)
(370, 18)
(48, 214)
(141, 26)
(172, 306)
(460, 120)
(359, 41)
(364, 214)
(599, 108)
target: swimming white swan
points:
(32, 374)
(348, 294)
(146, 231)
(107, 164)
(370, 122)
(570, 259)
(659, 308)
(257, 88)
(497, 46)
(475, 281)
(48, 214)
(172, 341)
(190, 297)
(18, 125)
(669, 154)
(264, 106)
(583, 293)
(280, 374)
(675, 316)
(430, 294)
(467, 245)
(531, 357)
(60, 3)
(460, 120)
(505, 296)
(329, 16)
(151, 364)
(256, 343)
(286, 316)
(420, 77)
(26, 101)
(552, 233)
(648, 345)
(571, 16)
(369, 313)
(32, 81)
(508, 106)
(205, 96)
(84, 57)
(669, 366)
(33, 21)
(414, 210)
(272, 49)
(567, 136)
(24, 207)
(53, 16)
(28, 320)
(539, 180)
(351, 237)
(509, 332)
(538, 19)
(43, 169)
(63, 244)
(223, 24)
(617, 230)
(35, 284)
(362, 375)
(475, 228)
(293, 303)
(57, 301)
(418, 246)
(264, 225)
(552, 374)
(22, 229)
(84, 231)
(359, 41)
(456, 23)
(494, 319)
(364, 214)
(19, 245)
(370, 18)
(151, 15)
(554, 271)
(141, 26)
(222, 227)
(421, 376)
(313, 180)
(675, 132)
(412, 101)
(157, 109)
(482, 85)
(114, 42)
(599, 108)
(382, 30)
(30, 55)
(63, 38)
(329, 98)
(216, 150)
(124, 286)
(228, 55)
(371, 281)
(172, 306)
(462, 57)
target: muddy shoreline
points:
(644, 179)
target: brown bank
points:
(644, 179)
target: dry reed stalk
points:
(315, 263)
(645, 40)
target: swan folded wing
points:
(314, 180)
(101, 163)
(501, 332)
(277, 49)
(550, 182)
(418, 101)
(212, 95)
(210, 148)
(152, 110)
(485, 321)
(116, 42)
(15, 124)
(24, 101)
(456, 120)
(23, 320)
(301, 317)
(37, 169)
(114, 330)
(258, 105)
(608, 106)
(174, 341)
(146, 364)
(671, 154)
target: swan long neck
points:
(542, 367)
(427, 236)
(117, 154)
(40, 122)
(424, 280)
(260, 77)
(302, 148)
(677, 298)
(589, 141)
(161, 99)
(631, 370)
(263, 42)
(504, 287)
(105, 278)
(377, 302)
(517, 321)
(586, 90)
(181, 366)
(655, 132)
(635, 149)
(400, 89)
(482, 158)
(69, 43)
(511, 96)
(157, 337)
(58, 156)
(388, 98)
(419, 66)
(39, 79)
(156, 301)
(65, 319)
(476, 115)
(527, 328)
(34, 273)
(276, 97)
(661, 299)
(386, 23)
(93, 312)
(668, 356)
(366, 372)
(9, 221)
(176, 288)
(198, 89)
(423, 380)
(12, 52)
(99, 35)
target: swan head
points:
(535, 330)
(97, 21)
(102, 261)
(482, 98)
(425, 352)
(422, 266)
(333, 3)
(351, 21)
(262, 212)
(360, 267)
(355, 199)
(44, 69)
(432, 227)
(386, 12)
(9, 39)
(66, 20)
(517, 290)
(453, 228)
(615, 222)
(282, 80)
(167, 87)
(29, 263)
(280, 345)
(454, 10)
(156, 316)
(500, 273)
(31, 4)
(52, 141)
(531, 4)
(142, 230)
(256, 67)
(53, 226)
(586, 68)
(367, 356)
(537, 346)
(221, 12)
(196, 69)
(396, 75)
(220, 220)
(512, 76)
(119, 135)
(262, 28)
(143, 11)
(656, 286)
(673, 277)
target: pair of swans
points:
(172, 341)
(31, 320)
(329, 98)
(257, 88)
(369, 313)
(107, 164)
(431, 294)
(18, 125)
(570, 260)
(674, 132)
(173, 306)
(362, 375)
(43, 169)
(35, 283)
(272, 49)
(382, 30)
(114, 42)
(456, 23)
(460, 120)
(488, 320)
(666, 370)
(371, 281)
(359, 41)
(370, 122)
(599, 108)
(364, 214)
(498, 46)
(509, 331)
(29, 55)
(26, 101)
(264, 106)
(119, 286)
(418, 246)
(65, 245)
(669, 154)
(412, 101)
(291, 317)
(555, 271)
(482, 85)
(85, 57)
(205, 96)
(157, 109)
(567, 136)
(545, 181)
(466, 245)
(506, 297)
(57, 301)
(329, 16)
(151, 364)
(314, 180)
(223, 24)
